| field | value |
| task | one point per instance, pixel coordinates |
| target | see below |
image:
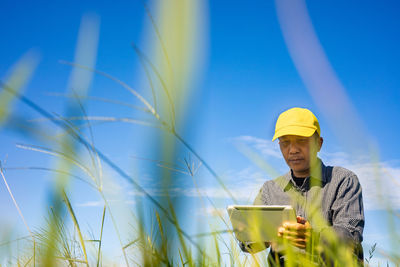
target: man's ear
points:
(320, 142)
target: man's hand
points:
(297, 234)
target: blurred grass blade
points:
(181, 258)
(218, 252)
(85, 54)
(107, 160)
(54, 170)
(20, 75)
(102, 99)
(79, 81)
(105, 119)
(160, 225)
(157, 116)
(160, 40)
(58, 154)
(131, 243)
(144, 59)
(153, 91)
(126, 86)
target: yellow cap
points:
(296, 121)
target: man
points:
(326, 199)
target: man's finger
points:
(298, 242)
(295, 226)
(301, 220)
(281, 230)
(296, 234)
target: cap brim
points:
(294, 130)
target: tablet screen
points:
(259, 223)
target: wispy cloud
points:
(100, 203)
(265, 147)
(380, 180)
(211, 211)
(91, 204)
(243, 184)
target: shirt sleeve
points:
(252, 247)
(347, 210)
(258, 200)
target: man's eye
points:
(302, 141)
(284, 143)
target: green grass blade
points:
(101, 235)
(74, 219)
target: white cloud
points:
(100, 203)
(380, 183)
(265, 147)
(91, 204)
(211, 211)
(380, 180)
(243, 185)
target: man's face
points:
(300, 152)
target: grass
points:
(62, 240)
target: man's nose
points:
(293, 148)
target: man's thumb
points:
(301, 220)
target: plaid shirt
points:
(335, 194)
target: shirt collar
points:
(288, 181)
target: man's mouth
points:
(296, 160)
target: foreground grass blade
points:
(72, 214)
(108, 161)
(163, 123)
(20, 213)
(101, 235)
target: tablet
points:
(259, 223)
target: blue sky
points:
(246, 74)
